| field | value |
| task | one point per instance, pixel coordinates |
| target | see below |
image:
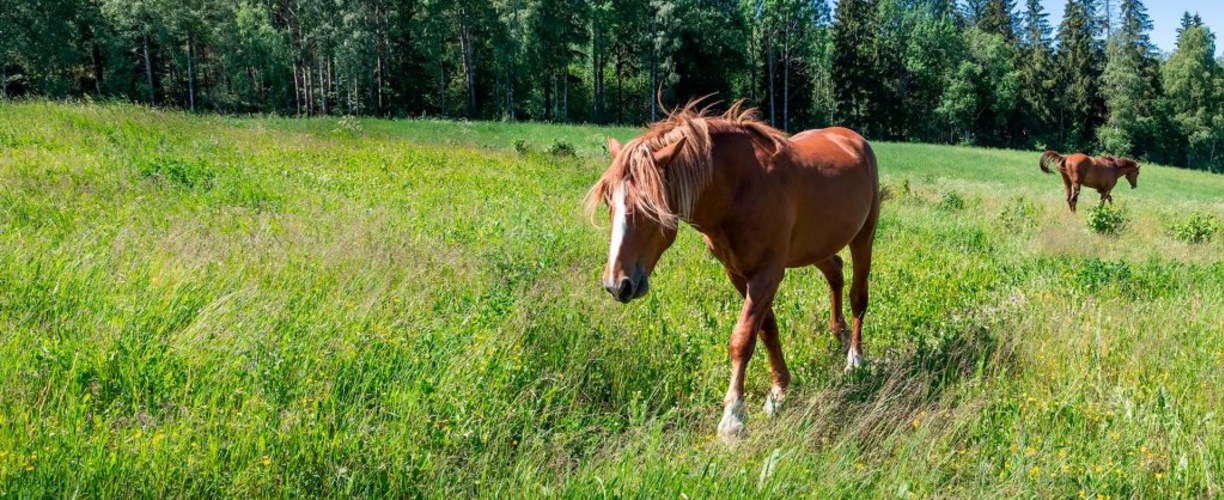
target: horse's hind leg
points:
(777, 365)
(832, 270)
(860, 253)
(1074, 199)
(1067, 188)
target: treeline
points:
(985, 72)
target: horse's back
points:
(1078, 159)
(1090, 172)
(834, 147)
(837, 155)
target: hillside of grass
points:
(210, 306)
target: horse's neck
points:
(734, 160)
(1119, 169)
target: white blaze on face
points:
(620, 224)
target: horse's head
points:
(640, 229)
(1132, 171)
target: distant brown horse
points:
(764, 203)
(1098, 173)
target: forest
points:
(976, 72)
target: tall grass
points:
(259, 307)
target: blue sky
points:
(1166, 15)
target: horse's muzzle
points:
(628, 288)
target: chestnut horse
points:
(1098, 173)
(764, 203)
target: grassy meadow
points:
(262, 307)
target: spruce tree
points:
(1037, 73)
(974, 11)
(854, 74)
(1079, 65)
(1128, 85)
(998, 19)
(1188, 20)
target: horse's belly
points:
(807, 250)
(822, 229)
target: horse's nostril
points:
(625, 291)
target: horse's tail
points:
(1045, 161)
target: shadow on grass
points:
(905, 389)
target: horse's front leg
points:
(773, 347)
(759, 295)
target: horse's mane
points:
(1121, 162)
(1126, 163)
(667, 195)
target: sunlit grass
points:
(265, 307)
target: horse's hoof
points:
(854, 361)
(840, 331)
(731, 427)
(773, 401)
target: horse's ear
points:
(614, 147)
(668, 153)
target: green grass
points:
(208, 306)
